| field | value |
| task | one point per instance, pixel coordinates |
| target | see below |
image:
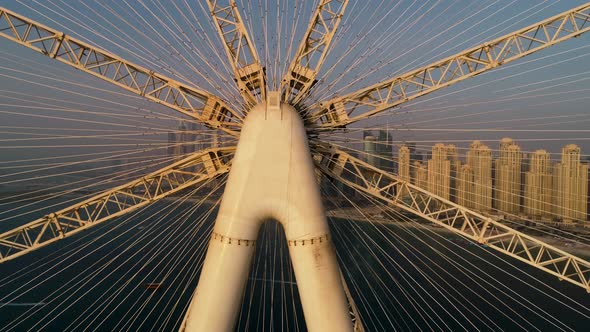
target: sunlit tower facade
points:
(508, 177)
(403, 166)
(439, 172)
(571, 185)
(479, 158)
(465, 186)
(421, 175)
(453, 156)
(538, 186)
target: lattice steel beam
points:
(389, 188)
(185, 173)
(377, 98)
(198, 104)
(248, 71)
(312, 51)
(355, 317)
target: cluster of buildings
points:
(187, 139)
(505, 183)
(512, 183)
(377, 148)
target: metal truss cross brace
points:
(361, 176)
(344, 110)
(195, 103)
(190, 171)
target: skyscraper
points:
(404, 164)
(453, 157)
(414, 166)
(439, 172)
(538, 186)
(369, 149)
(378, 150)
(384, 149)
(465, 187)
(414, 154)
(571, 185)
(507, 177)
(421, 175)
(479, 159)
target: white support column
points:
(272, 177)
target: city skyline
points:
(521, 186)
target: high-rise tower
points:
(465, 187)
(508, 177)
(370, 149)
(453, 157)
(479, 159)
(404, 164)
(421, 177)
(538, 185)
(439, 172)
(571, 185)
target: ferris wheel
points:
(273, 146)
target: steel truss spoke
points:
(195, 169)
(366, 102)
(355, 316)
(240, 50)
(359, 175)
(314, 47)
(198, 104)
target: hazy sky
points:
(377, 40)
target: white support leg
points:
(272, 177)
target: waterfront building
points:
(421, 175)
(538, 186)
(571, 185)
(439, 172)
(378, 150)
(414, 154)
(465, 187)
(479, 158)
(453, 156)
(369, 149)
(414, 166)
(508, 177)
(184, 140)
(384, 149)
(404, 164)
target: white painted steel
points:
(366, 102)
(191, 101)
(272, 177)
(240, 50)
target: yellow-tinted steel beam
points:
(341, 111)
(312, 51)
(240, 50)
(198, 104)
(190, 171)
(389, 188)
